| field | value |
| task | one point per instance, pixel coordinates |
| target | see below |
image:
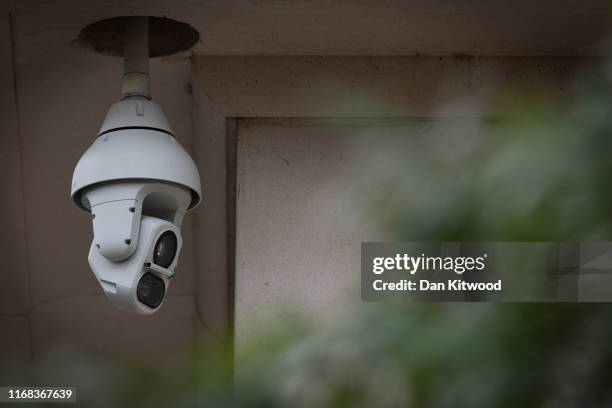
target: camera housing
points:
(137, 182)
(139, 283)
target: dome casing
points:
(135, 142)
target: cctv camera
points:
(137, 182)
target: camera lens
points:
(150, 290)
(165, 249)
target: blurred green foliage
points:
(541, 174)
(386, 355)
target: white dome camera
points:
(138, 183)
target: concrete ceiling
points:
(342, 27)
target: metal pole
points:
(136, 58)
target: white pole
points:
(136, 58)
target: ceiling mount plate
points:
(166, 36)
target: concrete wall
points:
(14, 280)
(278, 95)
(54, 97)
